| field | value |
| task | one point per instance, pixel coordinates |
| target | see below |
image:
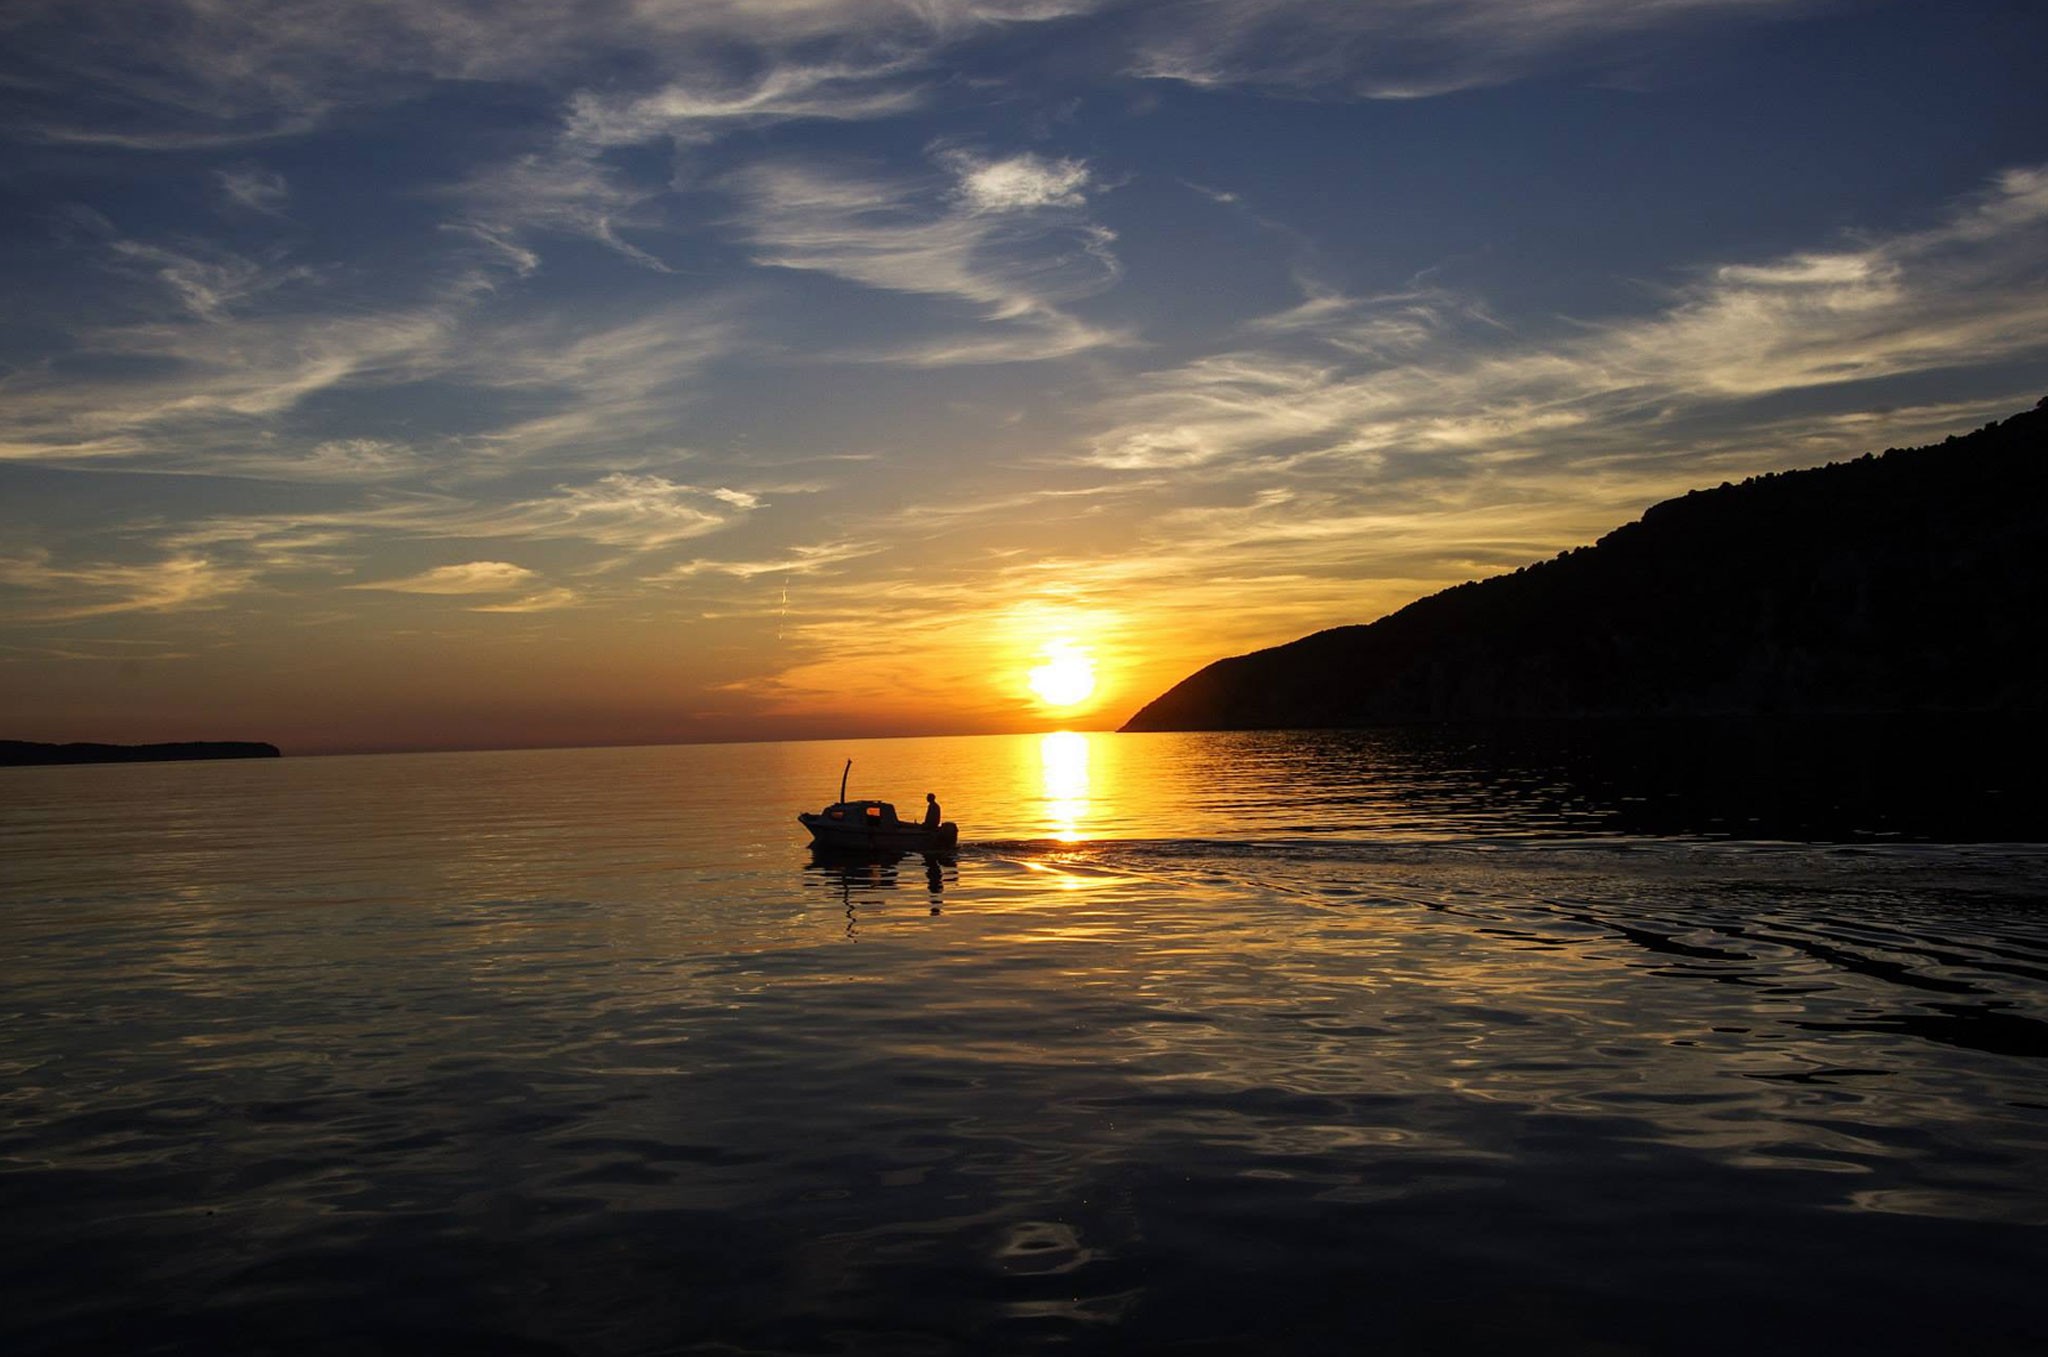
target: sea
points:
(1426, 1041)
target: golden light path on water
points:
(1063, 763)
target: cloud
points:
(800, 560)
(561, 190)
(741, 65)
(631, 512)
(185, 74)
(175, 583)
(255, 188)
(481, 577)
(612, 393)
(97, 649)
(219, 386)
(570, 188)
(696, 110)
(1352, 383)
(1015, 259)
(620, 515)
(547, 600)
(1019, 183)
(1035, 338)
(471, 577)
(207, 281)
(641, 512)
(339, 459)
(1400, 49)
(1387, 328)
(499, 245)
(891, 235)
(169, 387)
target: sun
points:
(1067, 677)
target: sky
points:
(457, 374)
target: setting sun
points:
(1067, 677)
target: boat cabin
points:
(858, 812)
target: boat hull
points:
(868, 838)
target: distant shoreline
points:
(23, 753)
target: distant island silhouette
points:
(1908, 582)
(18, 753)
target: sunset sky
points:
(382, 375)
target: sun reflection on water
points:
(1063, 760)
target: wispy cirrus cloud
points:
(1359, 382)
(52, 592)
(1003, 235)
(541, 601)
(638, 511)
(802, 559)
(213, 386)
(189, 74)
(696, 110)
(608, 521)
(168, 383)
(563, 191)
(194, 74)
(254, 188)
(185, 75)
(245, 338)
(573, 187)
(468, 577)
(336, 460)
(740, 66)
(625, 511)
(614, 392)
(207, 281)
(96, 650)
(1406, 48)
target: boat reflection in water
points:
(857, 874)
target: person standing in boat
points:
(931, 811)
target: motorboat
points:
(873, 826)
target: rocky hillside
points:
(1908, 581)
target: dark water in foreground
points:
(1204, 1044)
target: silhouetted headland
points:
(16, 753)
(1909, 582)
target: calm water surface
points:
(1206, 1044)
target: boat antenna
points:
(842, 781)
